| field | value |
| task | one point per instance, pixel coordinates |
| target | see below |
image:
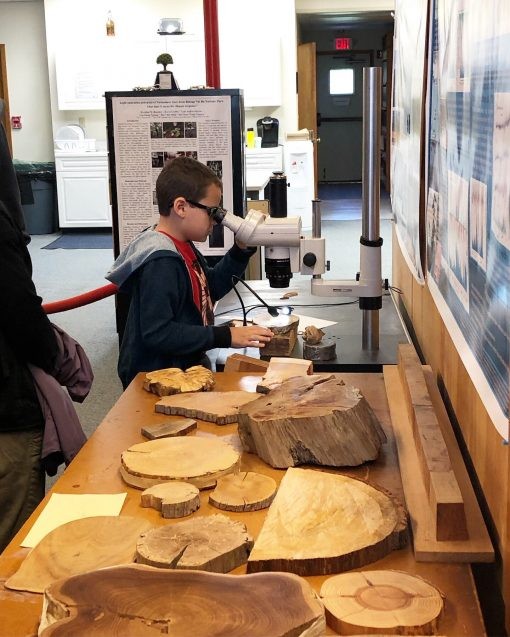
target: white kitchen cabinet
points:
(260, 165)
(83, 189)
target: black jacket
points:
(26, 334)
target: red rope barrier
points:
(80, 300)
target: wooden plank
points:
(444, 495)
(280, 369)
(478, 547)
(242, 363)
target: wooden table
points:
(96, 470)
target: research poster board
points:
(468, 190)
(147, 128)
(409, 64)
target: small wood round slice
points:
(173, 380)
(381, 602)
(200, 461)
(140, 601)
(210, 543)
(244, 491)
(173, 499)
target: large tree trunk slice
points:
(200, 461)
(381, 602)
(311, 420)
(321, 523)
(173, 499)
(77, 547)
(140, 601)
(210, 543)
(245, 491)
(221, 408)
(164, 382)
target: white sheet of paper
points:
(306, 321)
(65, 507)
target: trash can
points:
(37, 184)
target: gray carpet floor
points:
(59, 274)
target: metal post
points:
(371, 177)
(316, 218)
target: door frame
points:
(4, 94)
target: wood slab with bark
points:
(200, 461)
(244, 491)
(221, 408)
(140, 601)
(381, 602)
(77, 547)
(212, 543)
(173, 499)
(165, 382)
(321, 523)
(314, 419)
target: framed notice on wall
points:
(146, 128)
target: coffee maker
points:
(267, 129)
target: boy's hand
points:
(250, 336)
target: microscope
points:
(287, 251)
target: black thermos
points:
(278, 194)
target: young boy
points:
(170, 321)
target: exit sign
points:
(343, 44)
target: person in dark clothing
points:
(26, 336)
(170, 322)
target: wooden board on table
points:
(130, 600)
(77, 547)
(359, 523)
(221, 408)
(445, 497)
(280, 369)
(200, 461)
(243, 491)
(177, 427)
(478, 547)
(242, 363)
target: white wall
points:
(22, 30)
(136, 24)
(259, 21)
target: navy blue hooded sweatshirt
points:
(164, 327)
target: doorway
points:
(340, 115)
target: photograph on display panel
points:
(468, 191)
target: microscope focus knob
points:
(309, 259)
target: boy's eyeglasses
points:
(212, 211)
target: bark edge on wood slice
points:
(315, 420)
(173, 499)
(209, 543)
(177, 427)
(76, 547)
(219, 407)
(359, 523)
(200, 461)
(173, 380)
(244, 491)
(130, 598)
(381, 602)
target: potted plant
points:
(164, 78)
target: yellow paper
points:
(64, 507)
